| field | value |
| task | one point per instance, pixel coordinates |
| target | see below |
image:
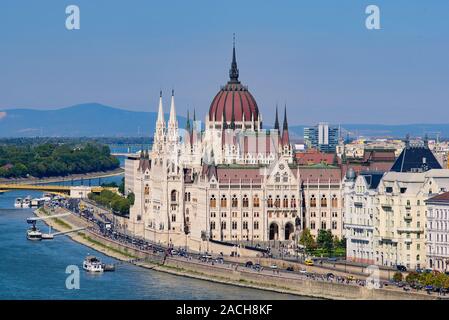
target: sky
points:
(316, 56)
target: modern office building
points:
(322, 137)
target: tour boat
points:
(34, 234)
(18, 203)
(37, 202)
(92, 264)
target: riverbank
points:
(91, 175)
(229, 273)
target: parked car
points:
(249, 264)
(257, 267)
(308, 262)
(330, 275)
(290, 268)
(273, 266)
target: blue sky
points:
(316, 56)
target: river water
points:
(36, 270)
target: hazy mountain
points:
(90, 119)
(96, 120)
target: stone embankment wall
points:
(231, 274)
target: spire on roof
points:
(160, 113)
(285, 136)
(234, 71)
(276, 121)
(172, 108)
(188, 122)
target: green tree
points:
(325, 240)
(306, 239)
(397, 277)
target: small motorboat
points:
(26, 203)
(93, 264)
(34, 234)
(18, 203)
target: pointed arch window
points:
(270, 201)
(223, 201)
(285, 202)
(334, 201)
(312, 201)
(235, 202)
(245, 201)
(323, 202)
(213, 202)
(256, 201)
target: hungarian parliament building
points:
(229, 179)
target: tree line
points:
(325, 243)
(54, 159)
(111, 200)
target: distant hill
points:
(91, 119)
(97, 120)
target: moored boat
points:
(34, 234)
(92, 264)
(18, 203)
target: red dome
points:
(233, 98)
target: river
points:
(36, 270)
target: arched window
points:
(235, 202)
(245, 201)
(270, 201)
(285, 202)
(223, 225)
(173, 196)
(285, 177)
(278, 177)
(277, 202)
(256, 202)
(313, 201)
(212, 225)
(334, 201)
(223, 202)
(245, 225)
(147, 189)
(293, 202)
(323, 201)
(213, 202)
(256, 225)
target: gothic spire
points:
(172, 108)
(285, 127)
(188, 122)
(160, 113)
(285, 136)
(276, 121)
(234, 71)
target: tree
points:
(325, 240)
(412, 277)
(397, 277)
(306, 239)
